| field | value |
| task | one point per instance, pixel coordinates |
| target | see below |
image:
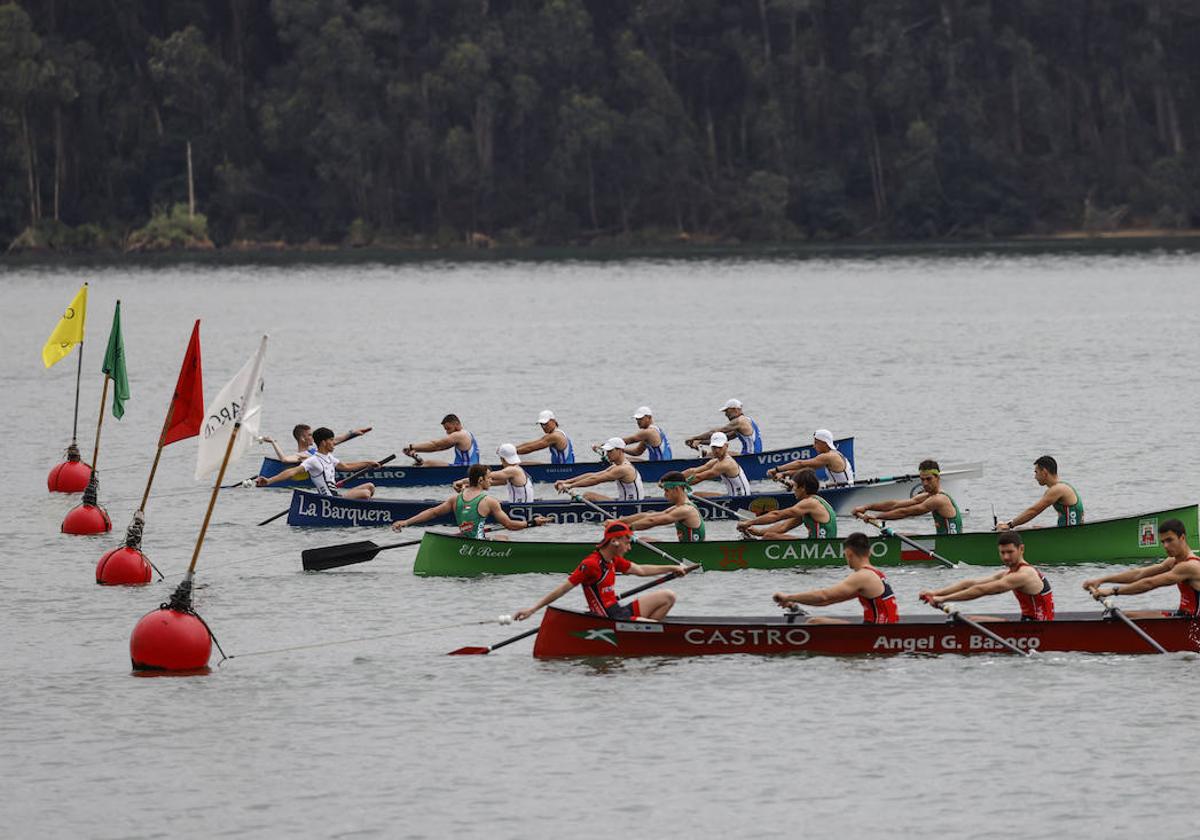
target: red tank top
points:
(599, 577)
(1039, 607)
(1189, 598)
(882, 608)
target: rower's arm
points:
(351, 466)
(705, 472)
(893, 504)
(492, 507)
(796, 512)
(964, 584)
(535, 445)
(635, 444)
(500, 477)
(427, 514)
(590, 479)
(900, 510)
(654, 519)
(1130, 575)
(278, 452)
(1033, 510)
(436, 445)
(994, 586)
(353, 433)
(550, 597)
(1171, 577)
(729, 429)
(844, 590)
(285, 475)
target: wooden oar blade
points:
(469, 651)
(335, 556)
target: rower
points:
(322, 467)
(466, 450)
(471, 507)
(597, 573)
(1066, 501)
(510, 474)
(1027, 583)
(810, 510)
(649, 438)
(721, 467)
(562, 451)
(864, 582)
(947, 518)
(840, 470)
(305, 447)
(683, 513)
(740, 428)
(1181, 568)
(619, 469)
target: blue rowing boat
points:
(755, 466)
(312, 511)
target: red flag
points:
(187, 404)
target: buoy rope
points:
(181, 602)
(355, 641)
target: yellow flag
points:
(69, 331)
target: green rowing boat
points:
(1132, 538)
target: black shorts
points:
(620, 612)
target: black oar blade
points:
(334, 556)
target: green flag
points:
(114, 365)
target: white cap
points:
(825, 436)
(613, 443)
(731, 404)
(644, 411)
(545, 417)
(718, 439)
(508, 454)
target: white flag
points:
(240, 401)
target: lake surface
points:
(992, 356)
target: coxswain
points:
(562, 451)
(683, 513)
(1062, 496)
(305, 447)
(466, 450)
(322, 468)
(810, 510)
(721, 467)
(1181, 568)
(471, 507)
(597, 574)
(619, 469)
(648, 439)
(865, 582)
(510, 474)
(1027, 583)
(947, 518)
(740, 427)
(837, 465)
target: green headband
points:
(931, 472)
(667, 485)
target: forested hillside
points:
(615, 121)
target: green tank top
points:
(467, 513)
(949, 526)
(821, 529)
(690, 535)
(1070, 514)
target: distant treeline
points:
(623, 121)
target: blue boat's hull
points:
(755, 467)
(313, 511)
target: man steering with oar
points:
(597, 574)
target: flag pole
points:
(100, 422)
(256, 371)
(78, 377)
(158, 453)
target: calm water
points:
(992, 358)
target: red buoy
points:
(86, 519)
(169, 640)
(123, 566)
(69, 477)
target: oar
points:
(888, 532)
(1108, 605)
(504, 619)
(354, 474)
(979, 628)
(648, 546)
(347, 554)
(736, 514)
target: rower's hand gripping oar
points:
(687, 564)
(1112, 609)
(341, 483)
(888, 532)
(347, 554)
(977, 627)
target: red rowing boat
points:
(570, 633)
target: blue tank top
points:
(471, 456)
(751, 444)
(662, 452)
(560, 457)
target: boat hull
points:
(566, 633)
(755, 467)
(312, 511)
(1127, 539)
